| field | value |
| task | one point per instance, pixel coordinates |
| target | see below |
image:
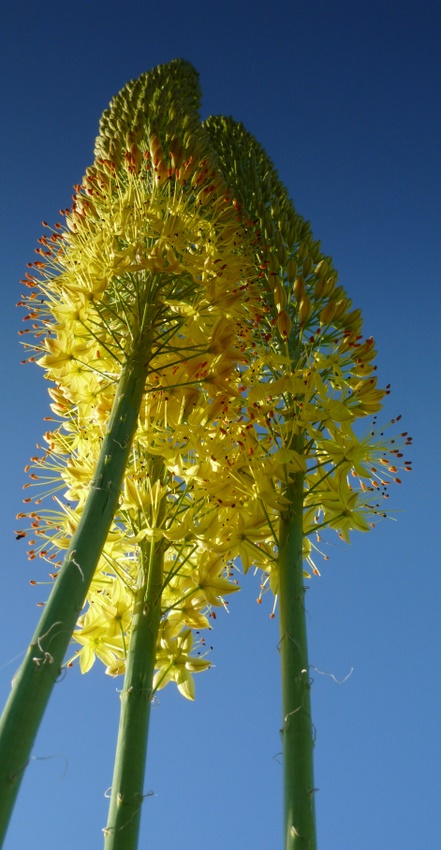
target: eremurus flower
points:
(308, 381)
(141, 308)
(153, 241)
(185, 295)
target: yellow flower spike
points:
(331, 371)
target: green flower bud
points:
(299, 288)
(291, 270)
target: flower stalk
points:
(297, 730)
(32, 685)
(126, 799)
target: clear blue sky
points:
(344, 96)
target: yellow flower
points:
(342, 507)
(175, 663)
(248, 530)
(205, 584)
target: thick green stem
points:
(297, 735)
(33, 683)
(126, 799)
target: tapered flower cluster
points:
(183, 244)
(153, 258)
(312, 377)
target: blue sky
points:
(345, 98)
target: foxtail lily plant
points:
(308, 382)
(207, 379)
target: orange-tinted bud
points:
(187, 169)
(176, 152)
(133, 158)
(205, 195)
(155, 148)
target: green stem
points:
(297, 736)
(126, 799)
(33, 683)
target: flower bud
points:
(291, 270)
(267, 224)
(331, 282)
(155, 149)
(353, 320)
(273, 265)
(134, 157)
(284, 324)
(320, 288)
(328, 287)
(340, 308)
(322, 269)
(280, 298)
(115, 152)
(205, 195)
(176, 152)
(328, 313)
(305, 309)
(302, 250)
(339, 293)
(278, 239)
(187, 169)
(292, 232)
(282, 255)
(299, 288)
